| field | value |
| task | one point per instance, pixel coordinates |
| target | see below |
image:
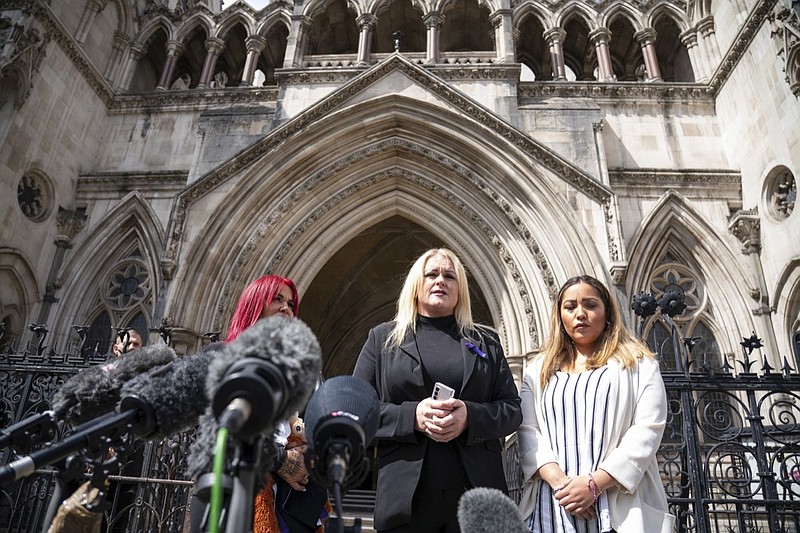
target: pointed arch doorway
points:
(357, 289)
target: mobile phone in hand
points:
(442, 391)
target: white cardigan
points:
(632, 436)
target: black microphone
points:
(95, 391)
(487, 510)
(264, 376)
(342, 418)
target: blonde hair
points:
(406, 318)
(615, 342)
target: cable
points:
(220, 453)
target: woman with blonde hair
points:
(594, 410)
(430, 451)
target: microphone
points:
(95, 391)
(265, 375)
(341, 419)
(169, 399)
(487, 510)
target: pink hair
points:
(255, 297)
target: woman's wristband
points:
(592, 484)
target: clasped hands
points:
(441, 420)
(575, 495)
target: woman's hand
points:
(293, 470)
(577, 497)
(442, 420)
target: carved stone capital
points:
(174, 48)
(433, 19)
(554, 35)
(168, 267)
(68, 223)
(706, 25)
(645, 36)
(746, 226)
(619, 272)
(600, 36)
(214, 45)
(689, 38)
(255, 43)
(366, 21)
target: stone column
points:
(600, 37)
(647, 39)
(174, 50)
(689, 40)
(746, 226)
(366, 24)
(433, 22)
(90, 12)
(296, 43)
(503, 35)
(137, 51)
(214, 47)
(554, 37)
(114, 62)
(600, 147)
(68, 224)
(255, 44)
(706, 28)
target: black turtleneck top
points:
(439, 344)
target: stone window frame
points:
(35, 186)
(779, 193)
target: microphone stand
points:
(243, 495)
(95, 433)
(239, 487)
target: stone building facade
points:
(156, 156)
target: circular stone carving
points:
(35, 196)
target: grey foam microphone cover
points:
(96, 390)
(291, 347)
(488, 510)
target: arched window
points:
(695, 326)
(124, 301)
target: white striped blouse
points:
(574, 407)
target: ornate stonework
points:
(746, 226)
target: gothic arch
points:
(442, 5)
(195, 20)
(522, 13)
(403, 137)
(315, 7)
(19, 294)
(230, 20)
(675, 225)
(151, 27)
(786, 302)
(266, 25)
(376, 6)
(580, 11)
(133, 219)
(622, 10)
(670, 11)
(126, 17)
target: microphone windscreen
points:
(289, 345)
(488, 510)
(172, 396)
(293, 350)
(95, 391)
(347, 396)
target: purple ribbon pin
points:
(475, 349)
